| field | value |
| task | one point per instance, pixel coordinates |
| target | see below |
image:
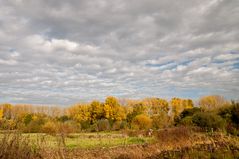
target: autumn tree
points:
(7, 110)
(113, 110)
(96, 111)
(142, 121)
(79, 112)
(1, 114)
(138, 109)
(212, 102)
(178, 105)
(159, 105)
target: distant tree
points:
(178, 105)
(1, 114)
(185, 117)
(63, 118)
(50, 127)
(138, 109)
(79, 112)
(27, 119)
(112, 109)
(209, 121)
(103, 125)
(96, 111)
(112, 101)
(160, 120)
(142, 121)
(7, 110)
(156, 105)
(212, 102)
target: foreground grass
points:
(170, 143)
(201, 146)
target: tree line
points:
(116, 114)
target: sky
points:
(60, 52)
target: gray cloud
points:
(62, 52)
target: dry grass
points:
(15, 146)
(170, 143)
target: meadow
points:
(180, 142)
(148, 128)
(87, 140)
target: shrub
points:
(32, 127)
(231, 129)
(208, 121)
(160, 121)
(142, 121)
(173, 135)
(103, 125)
(235, 113)
(85, 124)
(6, 124)
(124, 125)
(50, 128)
(187, 121)
(187, 113)
(63, 118)
(27, 119)
(116, 125)
(67, 128)
(231, 115)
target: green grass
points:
(88, 140)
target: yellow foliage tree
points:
(113, 110)
(1, 114)
(142, 121)
(212, 102)
(7, 110)
(178, 105)
(79, 112)
(96, 111)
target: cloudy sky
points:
(63, 52)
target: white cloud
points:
(62, 52)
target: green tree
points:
(27, 119)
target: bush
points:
(142, 121)
(208, 121)
(50, 127)
(6, 124)
(187, 121)
(231, 129)
(85, 124)
(32, 127)
(160, 121)
(235, 113)
(68, 127)
(189, 112)
(124, 125)
(116, 125)
(103, 125)
(27, 119)
(173, 135)
(186, 116)
(231, 115)
(63, 118)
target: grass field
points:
(88, 140)
(170, 143)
